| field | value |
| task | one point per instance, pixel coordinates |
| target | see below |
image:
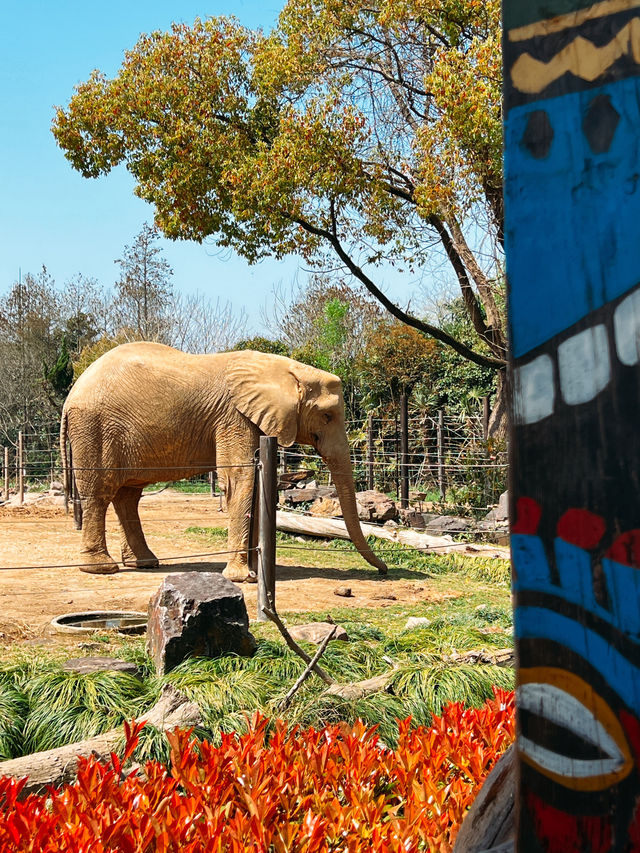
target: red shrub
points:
(303, 791)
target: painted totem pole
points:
(572, 192)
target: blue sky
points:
(50, 214)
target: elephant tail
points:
(67, 474)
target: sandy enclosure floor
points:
(39, 546)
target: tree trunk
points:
(333, 528)
(498, 418)
(59, 766)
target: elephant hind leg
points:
(135, 551)
(94, 554)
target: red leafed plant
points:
(336, 789)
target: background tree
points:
(143, 291)
(325, 323)
(396, 359)
(262, 344)
(351, 133)
(30, 341)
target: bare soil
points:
(38, 581)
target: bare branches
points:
(270, 613)
(307, 672)
(403, 316)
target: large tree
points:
(364, 133)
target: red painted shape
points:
(528, 515)
(633, 845)
(631, 726)
(582, 528)
(559, 832)
(626, 549)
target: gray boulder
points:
(447, 524)
(502, 511)
(100, 664)
(315, 632)
(376, 507)
(197, 613)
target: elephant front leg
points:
(135, 551)
(94, 554)
(238, 487)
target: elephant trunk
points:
(342, 475)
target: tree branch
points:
(426, 328)
(271, 614)
(307, 672)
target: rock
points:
(343, 591)
(447, 524)
(100, 664)
(502, 511)
(358, 689)
(197, 613)
(412, 518)
(326, 508)
(315, 632)
(390, 525)
(306, 494)
(417, 622)
(56, 487)
(376, 507)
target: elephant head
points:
(298, 403)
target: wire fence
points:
(281, 467)
(448, 464)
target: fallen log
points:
(489, 825)
(59, 766)
(334, 528)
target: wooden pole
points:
(572, 208)
(20, 468)
(442, 484)
(397, 458)
(267, 500)
(404, 451)
(75, 495)
(6, 473)
(212, 483)
(485, 418)
(370, 479)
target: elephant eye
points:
(327, 418)
(315, 437)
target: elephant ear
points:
(265, 389)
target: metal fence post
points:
(370, 481)
(404, 451)
(442, 485)
(267, 474)
(20, 468)
(485, 418)
(6, 474)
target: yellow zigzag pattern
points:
(581, 57)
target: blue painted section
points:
(531, 573)
(619, 673)
(624, 592)
(573, 217)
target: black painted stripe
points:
(627, 647)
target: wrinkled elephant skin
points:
(144, 413)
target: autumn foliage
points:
(338, 788)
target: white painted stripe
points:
(563, 765)
(534, 390)
(626, 327)
(559, 707)
(584, 365)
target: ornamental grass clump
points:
(276, 787)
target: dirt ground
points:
(39, 546)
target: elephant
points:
(145, 412)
